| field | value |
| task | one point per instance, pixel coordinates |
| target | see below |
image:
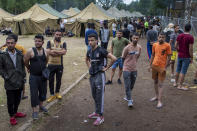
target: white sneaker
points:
(130, 103)
(172, 80)
(98, 121)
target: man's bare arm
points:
(27, 59)
(60, 52)
(88, 62)
(177, 45)
(168, 61)
(113, 59)
(111, 49)
(139, 53)
(191, 51)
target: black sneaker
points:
(119, 81)
(108, 82)
(43, 109)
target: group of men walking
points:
(12, 69)
(125, 54)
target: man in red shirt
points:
(184, 47)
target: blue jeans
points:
(182, 65)
(119, 63)
(114, 34)
(129, 81)
(149, 50)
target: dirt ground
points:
(178, 114)
(74, 67)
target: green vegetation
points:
(146, 7)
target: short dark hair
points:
(39, 36)
(188, 27)
(13, 36)
(136, 34)
(120, 30)
(93, 35)
(57, 30)
(162, 33)
(176, 25)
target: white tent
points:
(113, 11)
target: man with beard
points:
(117, 46)
(56, 49)
(130, 56)
(160, 60)
(35, 61)
(12, 69)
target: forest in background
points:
(146, 7)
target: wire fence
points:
(181, 22)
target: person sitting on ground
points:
(48, 31)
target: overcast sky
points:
(128, 1)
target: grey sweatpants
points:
(97, 83)
(129, 81)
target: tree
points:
(106, 4)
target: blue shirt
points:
(90, 31)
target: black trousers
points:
(58, 71)
(13, 101)
(38, 89)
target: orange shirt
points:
(161, 53)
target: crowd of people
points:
(42, 64)
(164, 47)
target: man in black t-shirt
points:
(97, 64)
